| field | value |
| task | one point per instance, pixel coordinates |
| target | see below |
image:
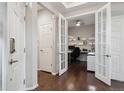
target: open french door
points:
(63, 64)
(103, 44)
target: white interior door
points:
(63, 64)
(117, 37)
(45, 47)
(103, 44)
(16, 64)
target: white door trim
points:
(4, 47)
(82, 14)
(31, 88)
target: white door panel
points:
(45, 47)
(117, 52)
(103, 44)
(16, 27)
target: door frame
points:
(91, 12)
(5, 48)
(74, 16)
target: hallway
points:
(75, 79)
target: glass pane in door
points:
(62, 44)
(62, 31)
(99, 41)
(104, 30)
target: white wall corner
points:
(54, 73)
(31, 88)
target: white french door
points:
(63, 64)
(103, 44)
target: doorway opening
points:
(107, 35)
(46, 44)
(81, 41)
(69, 79)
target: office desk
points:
(82, 57)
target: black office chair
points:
(75, 53)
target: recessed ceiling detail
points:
(72, 4)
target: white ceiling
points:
(73, 8)
(85, 20)
(117, 9)
(83, 7)
(72, 4)
(40, 7)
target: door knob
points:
(13, 61)
(107, 55)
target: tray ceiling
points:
(72, 4)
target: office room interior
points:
(61, 46)
(81, 39)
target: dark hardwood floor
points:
(75, 79)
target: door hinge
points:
(24, 82)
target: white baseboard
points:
(31, 88)
(38, 69)
(54, 73)
(50, 72)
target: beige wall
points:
(84, 31)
